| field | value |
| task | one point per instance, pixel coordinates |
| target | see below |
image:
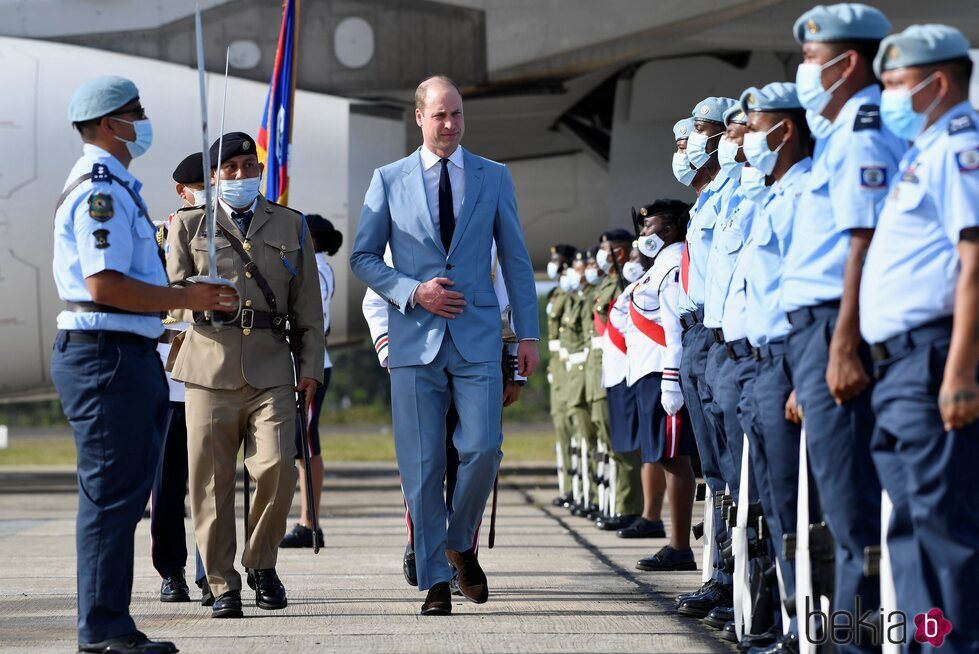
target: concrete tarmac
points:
(556, 583)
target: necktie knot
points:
(242, 220)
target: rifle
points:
(295, 335)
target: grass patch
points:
(339, 445)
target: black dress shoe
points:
(729, 632)
(643, 528)
(707, 585)
(787, 644)
(408, 566)
(270, 594)
(668, 560)
(438, 601)
(174, 588)
(472, 579)
(719, 616)
(134, 643)
(758, 641)
(700, 605)
(207, 597)
(301, 536)
(227, 605)
(615, 523)
(563, 500)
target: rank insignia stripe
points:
(100, 207)
(961, 124)
(873, 177)
(968, 160)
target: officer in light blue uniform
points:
(714, 192)
(109, 272)
(852, 166)
(764, 324)
(918, 307)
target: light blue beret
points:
(735, 115)
(712, 109)
(682, 129)
(100, 96)
(847, 21)
(920, 45)
(777, 96)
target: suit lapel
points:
(223, 220)
(415, 187)
(474, 181)
(263, 211)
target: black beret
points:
(328, 238)
(617, 235)
(234, 144)
(658, 208)
(590, 253)
(190, 170)
(564, 251)
(580, 255)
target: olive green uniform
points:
(556, 376)
(577, 345)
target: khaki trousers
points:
(218, 421)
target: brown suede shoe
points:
(472, 580)
(438, 601)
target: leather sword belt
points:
(257, 319)
(95, 307)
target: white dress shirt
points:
(432, 170)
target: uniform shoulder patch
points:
(101, 237)
(100, 173)
(868, 117)
(874, 177)
(100, 207)
(959, 124)
(968, 160)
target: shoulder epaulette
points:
(868, 117)
(282, 206)
(100, 174)
(959, 124)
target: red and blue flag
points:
(275, 133)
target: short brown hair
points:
(422, 89)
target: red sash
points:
(651, 329)
(618, 340)
(599, 325)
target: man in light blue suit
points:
(439, 209)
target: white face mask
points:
(727, 152)
(651, 245)
(574, 280)
(757, 152)
(604, 260)
(199, 198)
(682, 170)
(552, 270)
(632, 270)
(592, 276)
(819, 125)
(753, 184)
(697, 148)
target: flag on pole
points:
(275, 133)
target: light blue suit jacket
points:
(396, 212)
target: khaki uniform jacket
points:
(573, 340)
(229, 357)
(606, 291)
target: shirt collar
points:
(867, 95)
(97, 154)
(799, 169)
(429, 158)
(229, 210)
(940, 126)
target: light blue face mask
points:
(757, 152)
(753, 183)
(240, 193)
(819, 125)
(809, 84)
(682, 170)
(144, 136)
(727, 153)
(898, 114)
(697, 148)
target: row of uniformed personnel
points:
(240, 378)
(829, 272)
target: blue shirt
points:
(100, 226)
(852, 168)
(913, 266)
(700, 235)
(730, 232)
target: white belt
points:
(563, 354)
(597, 342)
(578, 357)
(554, 345)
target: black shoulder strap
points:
(252, 268)
(71, 187)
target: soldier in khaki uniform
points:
(573, 341)
(561, 256)
(627, 506)
(239, 377)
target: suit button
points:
(248, 303)
(246, 331)
(248, 275)
(448, 266)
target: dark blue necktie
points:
(242, 220)
(447, 219)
